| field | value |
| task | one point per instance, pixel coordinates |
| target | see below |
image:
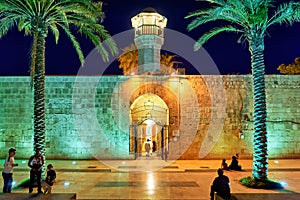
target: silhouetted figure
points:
(224, 165)
(234, 165)
(166, 152)
(221, 186)
(153, 146)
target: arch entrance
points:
(149, 119)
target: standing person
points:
(153, 146)
(166, 152)
(147, 148)
(36, 162)
(221, 186)
(7, 173)
(50, 178)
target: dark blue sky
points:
(282, 44)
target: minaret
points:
(149, 37)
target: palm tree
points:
(250, 19)
(168, 64)
(36, 18)
(129, 61)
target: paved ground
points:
(20, 196)
(157, 179)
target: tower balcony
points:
(149, 29)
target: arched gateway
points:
(149, 119)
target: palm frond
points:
(75, 43)
(55, 32)
(112, 45)
(203, 17)
(21, 24)
(49, 7)
(8, 10)
(97, 42)
(297, 11)
(53, 15)
(6, 24)
(217, 2)
(205, 37)
(107, 39)
(199, 12)
(225, 13)
(286, 13)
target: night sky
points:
(282, 44)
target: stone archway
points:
(170, 99)
(149, 115)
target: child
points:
(50, 178)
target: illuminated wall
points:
(89, 117)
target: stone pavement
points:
(22, 196)
(157, 179)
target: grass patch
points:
(257, 184)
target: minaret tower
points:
(149, 37)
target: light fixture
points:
(148, 104)
(66, 184)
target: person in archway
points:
(166, 152)
(153, 146)
(147, 148)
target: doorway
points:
(149, 116)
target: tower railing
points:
(149, 29)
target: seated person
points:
(224, 165)
(221, 186)
(234, 165)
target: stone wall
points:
(89, 117)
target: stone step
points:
(25, 196)
(262, 196)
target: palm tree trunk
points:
(39, 94)
(260, 155)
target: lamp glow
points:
(283, 183)
(66, 184)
